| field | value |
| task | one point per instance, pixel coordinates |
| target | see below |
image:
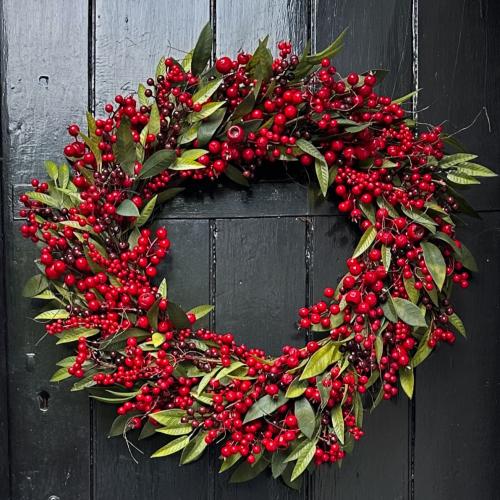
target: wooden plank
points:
(130, 38)
(260, 284)
(383, 451)
(187, 270)
(457, 70)
(457, 446)
(240, 24)
(45, 89)
(379, 36)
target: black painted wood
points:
(45, 88)
(258, 254)
(457, 444)
(379, 36)
(459, 71)
(260, 284)
(130, 38)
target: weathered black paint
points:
(256, 254)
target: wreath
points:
(189, 126)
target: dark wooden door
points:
(256, 255)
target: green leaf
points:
(320, 360)
(169, 418)
(260, 65)
(456, 159)
(53, 314)
(264, 406)
(125, 146)
(189, 134)
(73, 334)
(186, 164)
(170, 193)
(457, 323)
(244, 107)
(278, 464)
(157, 339)
(60, 374)
(462, 179)
(202, 50)
(63, 178)
(201, 311)
(146, 212)
(365, 241)
(177, 316)
(412, 292)
(160, 67)
(204, 93)
(305, 458)
(163, 288)
(128, 209)
(296, 388)
(333, 49)
(246, 471)
(306, 418)
(475, 170)
(423, 350)
(407, 97)
(409, 312)
(141, 93)
(148, 430)
(236, 176)
(209, 126)
(172, 447)
(51, 169)
(407, 380)
(228, 462)
(43, 198)
(154, 124)
(338, 422)
(119, 425)
(194, 449)
(467, 259)
(386, 256)
(434, 261)
(309, 148)
(35, 285)
(176, 430)
(208, 109)
(322, 174)
(357, 128)
(193, 154)
(157, 163)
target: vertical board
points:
(458, 68)
(383, 452)
(456, 397)
(379, 36)
(187, 272)
(260, 284)
(457, 445)
(45, 85)
(240, 24)
(130, 38)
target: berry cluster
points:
(139, 350)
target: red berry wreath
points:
(142, 352)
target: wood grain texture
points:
(459, 71)
(131, 36)
(260, 284)
(45, 89)
(379, 36)
(187, 272)
(383, 452)
(457, 445)
(240, 23)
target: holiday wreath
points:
(196, 122)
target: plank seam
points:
(3, 248)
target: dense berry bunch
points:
(139, 350)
